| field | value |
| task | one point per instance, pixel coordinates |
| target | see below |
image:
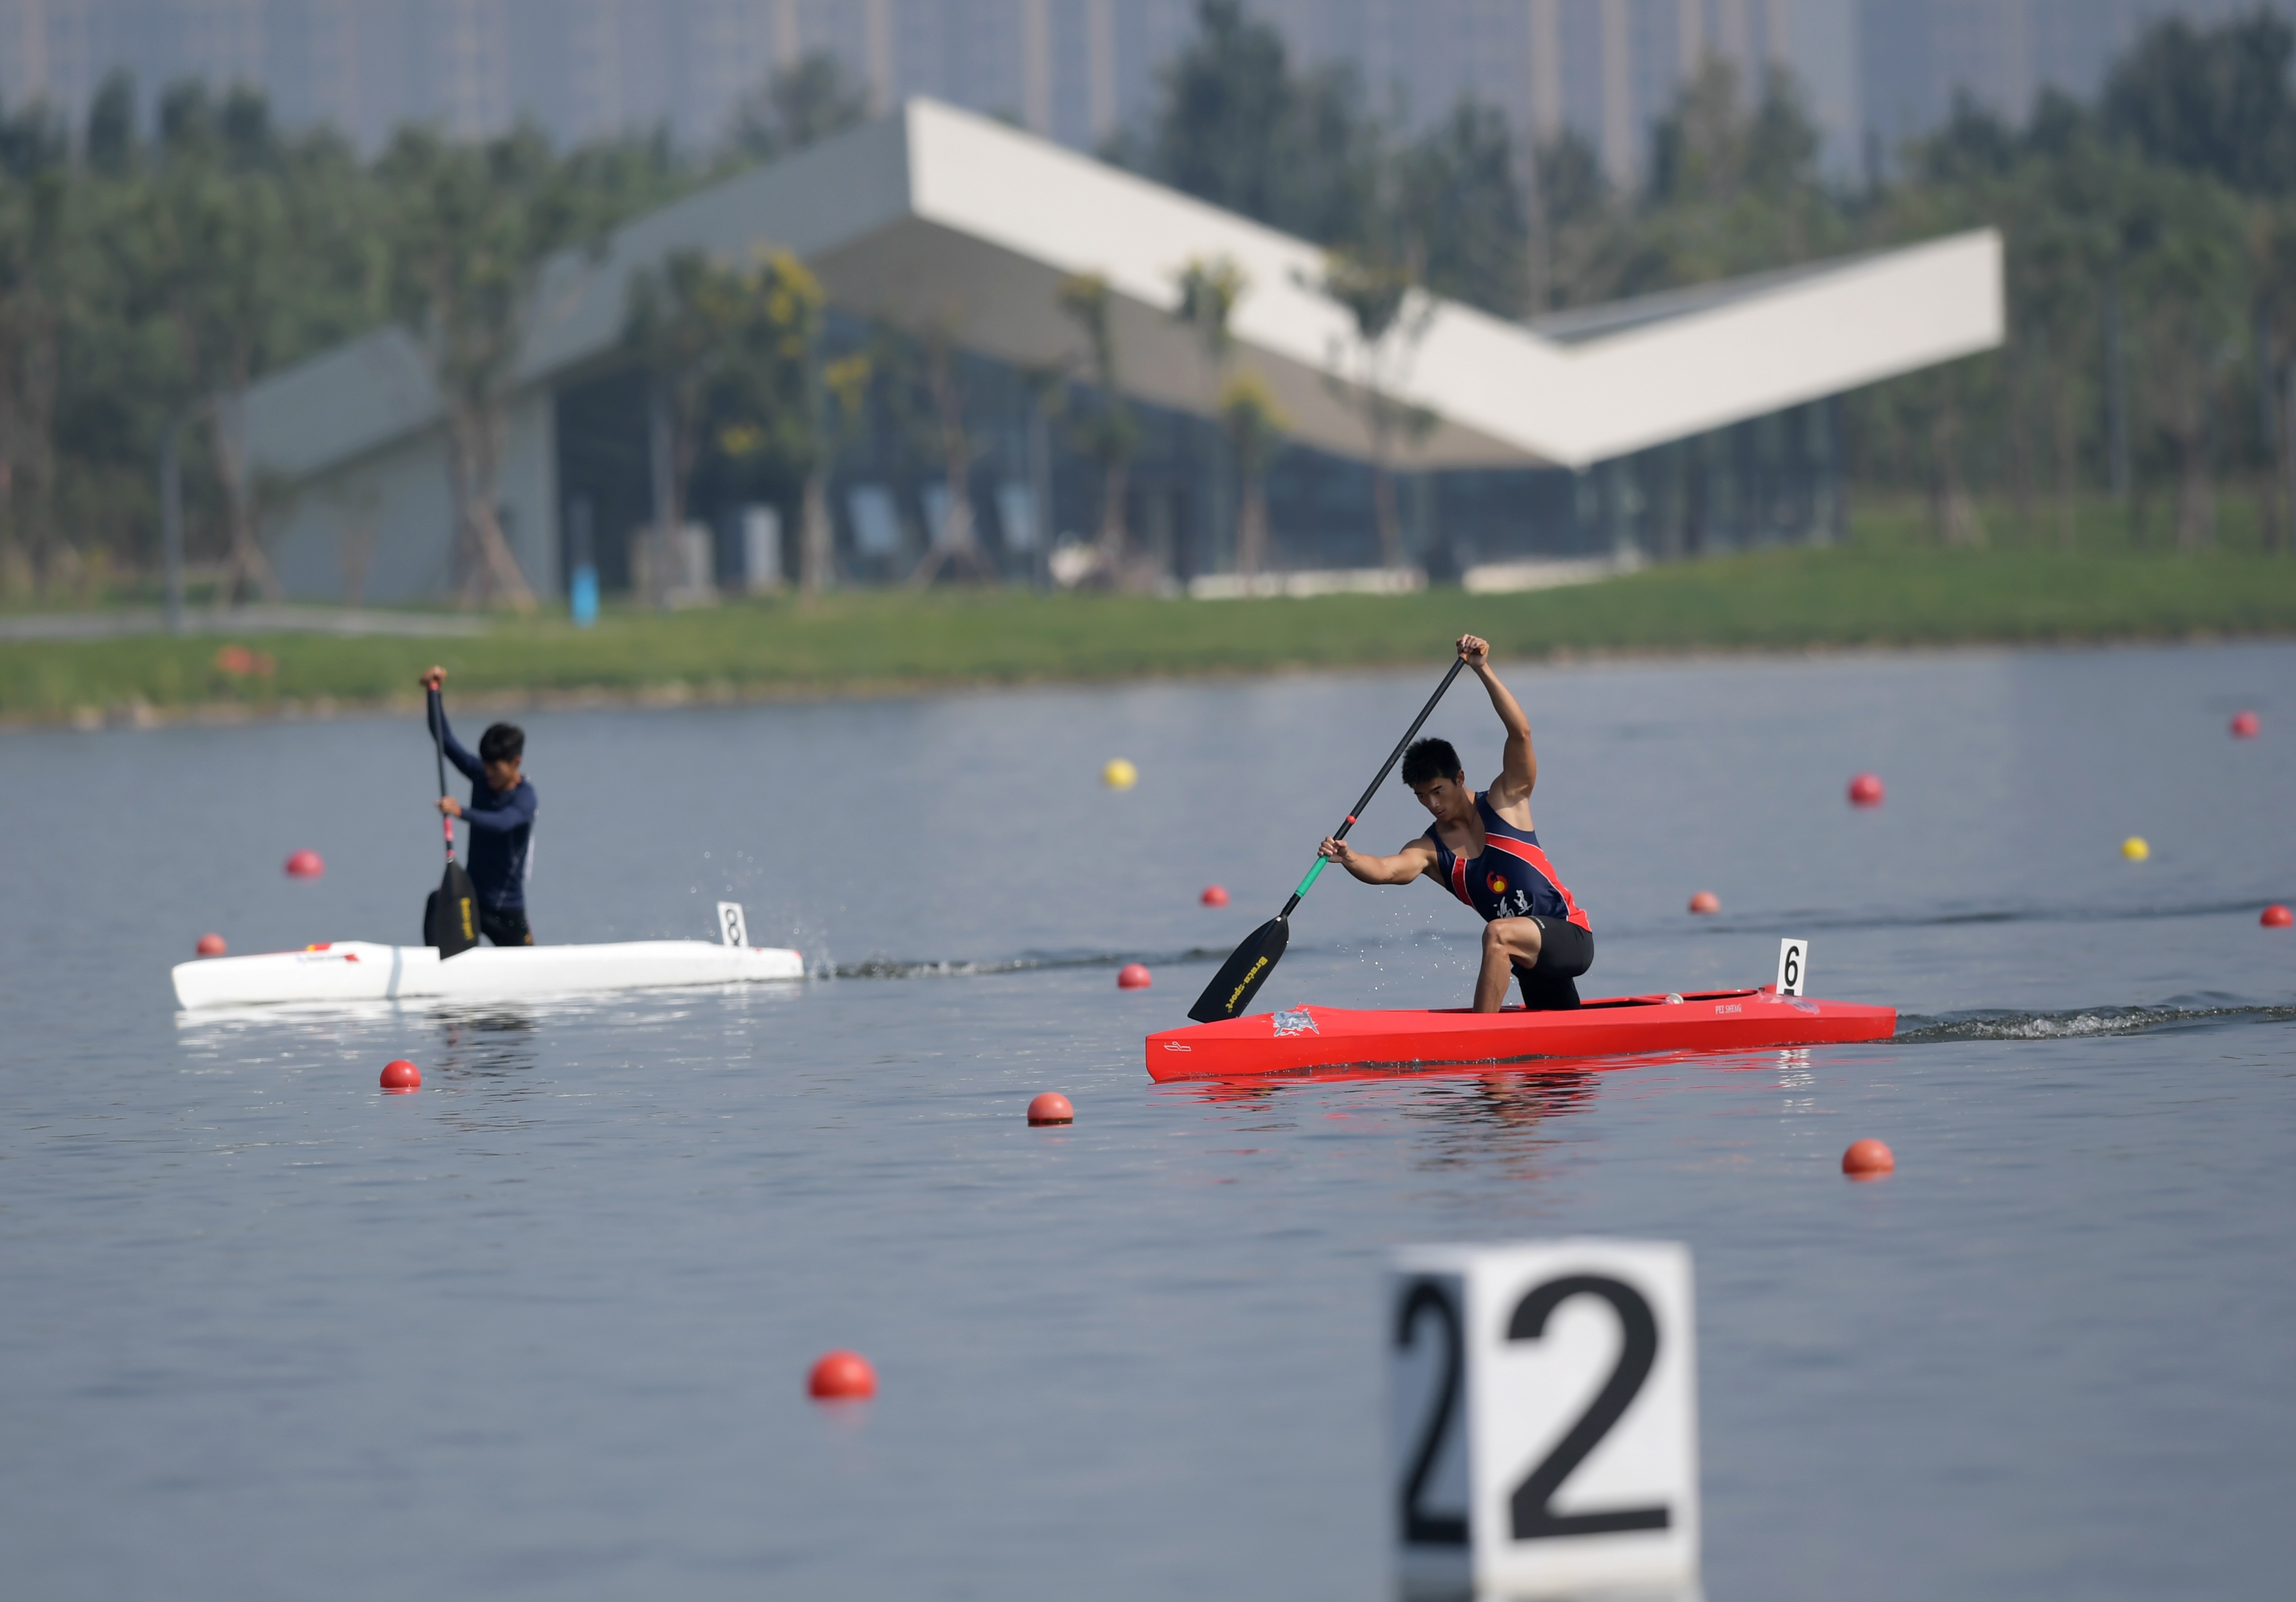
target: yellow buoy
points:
(2135, 849)
(1120, 775)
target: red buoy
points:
(1051, 1107)
(1866, 790)
(1868, 1160)
(2277, 917)
(306, 865)
(841, 1376)
(1705, 903)
(2246, 725)
(211, 945)
(1134, 976)
(401, 1075)
(1213, 896)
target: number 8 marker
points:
(731, 928)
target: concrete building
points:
(1666, 426)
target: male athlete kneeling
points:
(1485, 850)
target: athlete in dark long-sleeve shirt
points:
(501, 816)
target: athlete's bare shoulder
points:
(1513, 805)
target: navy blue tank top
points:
(1511, 879)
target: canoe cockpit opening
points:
(1613, 1003)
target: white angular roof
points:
(937, 217)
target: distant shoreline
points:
(673, 695)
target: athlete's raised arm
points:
(1407, 864)
(1519, 764)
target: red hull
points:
(1304, 1041)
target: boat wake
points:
(1816, 921)
(886, 967)
(2081, 1023)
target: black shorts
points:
(506, 925)
(1565, 951)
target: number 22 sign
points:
(1544, 1431)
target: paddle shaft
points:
(438, 750)
(1372, 789)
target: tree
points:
(677, 324)
(727, 349)
(112, 147)
(1390, 315)
(1249, 414)
(1236, 127)
(2059, 262)
(219, 255)
(798, 105)
(1580, 230)
(838, 392)
(1256, 426)
(2216, 102)
(1734, 188)
(919, 377)
(2272, 269)
(471, 226)
(2186, 288)
(1107, 433)
(34, 198)
(1460, 204)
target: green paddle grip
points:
(1321, 864)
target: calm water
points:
(542, 1329)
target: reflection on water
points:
(1502, 1119)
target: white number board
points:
(1793, 965)
(730, 926)
(1543, 1416)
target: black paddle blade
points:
(450, 918)
(1241, 976)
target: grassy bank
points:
(859, 642)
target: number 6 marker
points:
(1793, 965)
(1545, 1418)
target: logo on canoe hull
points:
(1298, 1021)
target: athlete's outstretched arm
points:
(1519, 765)
(1401, 868)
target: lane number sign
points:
(731, 928)
(1793, 965)
(1543, 1417)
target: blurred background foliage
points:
(2143, 399)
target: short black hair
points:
(1430, 759)
(506, 743)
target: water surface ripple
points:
(542, 1329)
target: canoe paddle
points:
(1248, 967)
(450, 918)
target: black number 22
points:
(1532, 1504)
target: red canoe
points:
(1303, 1041)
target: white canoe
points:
(359, 971)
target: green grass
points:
(1878, 593)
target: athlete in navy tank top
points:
(1483, 849)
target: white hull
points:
(358, 970)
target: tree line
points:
(145, 281)
(2151, 237)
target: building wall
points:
(379, 530)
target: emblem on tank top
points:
(1497, 882)
(1296, 1020)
